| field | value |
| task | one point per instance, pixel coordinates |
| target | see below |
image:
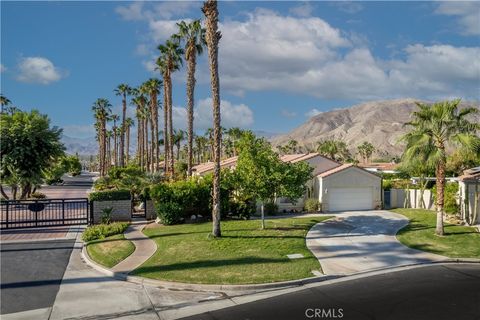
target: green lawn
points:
(458, 241)
(110, 251)
(244, 254)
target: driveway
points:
(359, 241)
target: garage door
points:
(341, 199)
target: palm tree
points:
(123, 90)
(212, 38)
(200, 143)
(152, 86)
(115, 118)
(436, 126)
(334, 149)
(235, 134)
(162, 67)
(102, 109)
(128, 124)
(366, 150)
(170, 61)
(178, 137)
(4, 101)
(139, 102)
(109, 135)
(194, 37)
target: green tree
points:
(439, 125)
(334, 149)
(102, 109)
(194, 37)
(178, 137)
(123, 90)
(261, 175)
(366, 149)
(128, 124)
(153, 86)
(28, 147)
(212, 37)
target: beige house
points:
(469, 195)
(337, 187)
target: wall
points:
(352, 177)
(397, 199)
(151, 211)
(122, 210)
(467, 192)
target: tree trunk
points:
(165, 125)
(440, 173)
(104, 146)
(212, 38)
(114, 148)
(263, 215)
(4, 195)
(145, 145)
(122, 132)
(152, 144)
(190, 103)
(14, 192)
(127, 152)
(170, 129)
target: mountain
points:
(378, 122)
(82, 146)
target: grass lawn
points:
(110, 251)
(458, 241)
(244, 254)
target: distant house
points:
(380, 167)
(469, 195)
(338, 187)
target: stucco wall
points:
(352, 177)
(151, 211)
(467, 200)
(397, 198)
(122, 210)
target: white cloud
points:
(2, 68)
(38, 70)
(468, 14)
(303, 10)
(313, 112)
(288, 114)
(132, 12)
(233, 115)
(350, 7)
(156, 10)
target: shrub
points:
(110, 195)
(270, 208)
(312, 205)
(170, 212)
(106, 217)
(38, 195)
(450, 197)
(242, 209)
(101, 231)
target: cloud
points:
(313, 112)
(132, 12)
(303, 10)
(38, 70)
(233, 115)
(288, 114)
(2, 68)
(468, 14)
(156, 10)
(350, 7)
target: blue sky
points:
(280, 62)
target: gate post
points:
(6, 221)
(63, 211)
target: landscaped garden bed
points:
(458, 241)
(245, 253)
(110, 251)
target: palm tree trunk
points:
(122, 132)
(152, 144)
(170, 128)
(145, 145)
(440, 175)
(165, 125)
(127, 152)
(190, 103)
(4, 195)
(103, 149)
(212, 38)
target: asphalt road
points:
(31, 273)
(449, 291)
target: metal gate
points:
(43, 212)
(139, 208)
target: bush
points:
(270, 208)
(242, 209)
(170, 212)
(450, 197)
(38, 195)
(101, 231)
(311, 205)
(110, 195)
(106, 217)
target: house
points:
(469, 195)
(380, 167)
(338, 187)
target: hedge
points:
(101, 231)
(110, 195)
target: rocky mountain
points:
(378, 122)
(82, 146)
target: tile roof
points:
(209, 166)
(335, 170)
(379, 165)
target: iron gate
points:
(43, 212)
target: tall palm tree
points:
(153, 86)
(235, 134)
(123, 90)
(128, 124)
(102, 109)
(171, 60)
(436, 126)
(194, 37)
(115, 118)
(139, 102)
(178, 137)
(334, 149)
(4, 101)
(161, 65)
(366, 149)
(109, 135)
(212, 38)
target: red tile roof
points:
(335, 170)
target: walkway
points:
(359, 241)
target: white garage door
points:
(341, 199)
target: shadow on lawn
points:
(206, 264)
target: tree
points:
(115, 118)
(4, 101)
(366, 150)
(28, 147)
(123, 90)
(128, 124)
(178, 137)
(170, 61)
(101, 109)
(139, 101)
(261, 175)
(153, 86)
(194, 37)
(436, 126)
(334, 149)
(212, 37)
(461, 160)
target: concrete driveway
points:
(358, 241)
